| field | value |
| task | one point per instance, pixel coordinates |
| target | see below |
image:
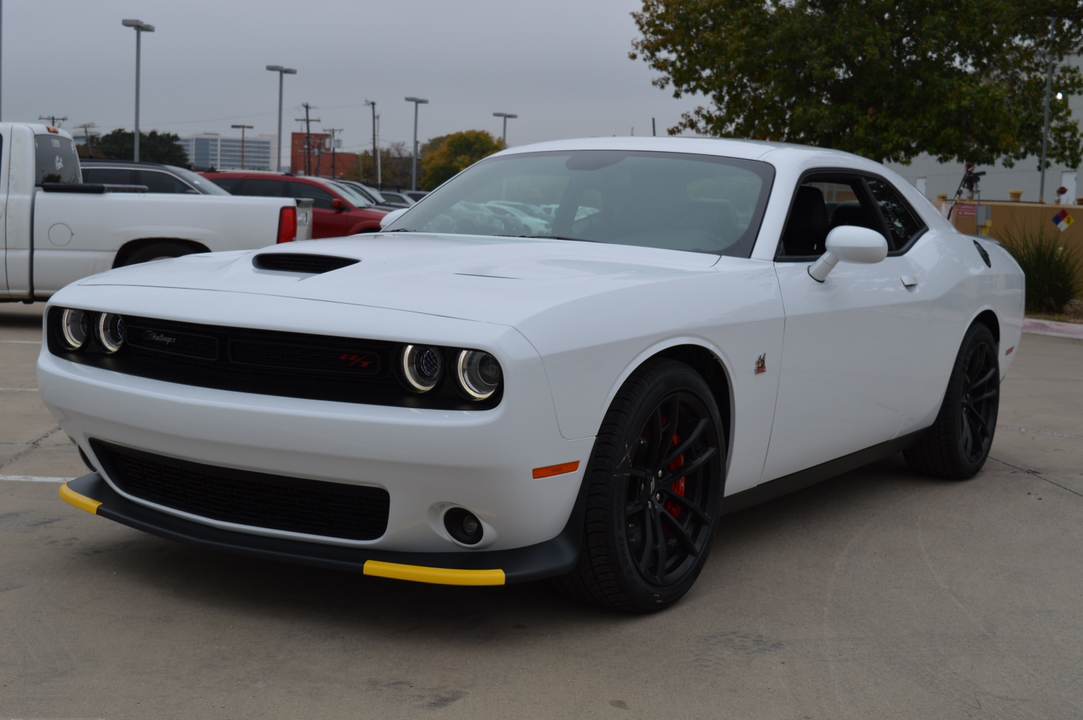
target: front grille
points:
(275, 502)
(267, 362)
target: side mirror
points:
(391, 217)
(849, 243)
(338, 205)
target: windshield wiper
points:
(554, 237)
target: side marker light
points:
(554, 470)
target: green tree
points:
(886, 79)
(454, 154)
(153, 147)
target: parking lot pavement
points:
(876, 594)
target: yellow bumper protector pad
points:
(437, 576)
(80, 501)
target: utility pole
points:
(379, 172)
(375, 156)
(242, 128)
(53, 119)
(333, 131)
(308, 137)
(86, 134)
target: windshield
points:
(56, 160)
(198, 181)
(697, 203)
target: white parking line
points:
(32, 478)
(22, 342)
(18, 389)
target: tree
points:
(455, 153)
(153, 147)
(887, 79)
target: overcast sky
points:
(562, 66)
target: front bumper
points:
(553, 557)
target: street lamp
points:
(282, 71)
(242, 128)
(504, 138)
(140, 28)
(413, 173)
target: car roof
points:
(94, 162)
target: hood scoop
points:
(301, 262)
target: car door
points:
(853, 345)
(326, 221)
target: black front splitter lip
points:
(553, 557)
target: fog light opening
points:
(464, 526)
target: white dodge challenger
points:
(569, 361)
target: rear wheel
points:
(654, 489)
(158, 250)
(958, 443)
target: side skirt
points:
(813, 475)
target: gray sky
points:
(562, 66)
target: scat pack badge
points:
(761, 364)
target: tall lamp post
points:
(140, 28)
(504, 137)
(282, 71)
(242, 128)
(413, 173)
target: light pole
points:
(140, 28)
(1048, 92)
(413, 173)
(242, 128)
(504, 137)
(282, 71)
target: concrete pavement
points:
(876, 594)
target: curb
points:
(1053, 329)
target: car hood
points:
(501, 280)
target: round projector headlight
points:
(422, 366)
(75, 328)
(110, 332)
(479, 374)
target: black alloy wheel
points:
(654, 492)
(958, 442)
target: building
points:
(314, 155)
(212, 150)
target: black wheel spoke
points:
(685, 504)
(688, 468)
(680, 533)
(685, 443)
(660, 543)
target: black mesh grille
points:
(267, 362)
(300, 262)
(275, 502)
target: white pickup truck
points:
(54, 229)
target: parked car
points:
(370, 194)
(336, 211)
(156, 177)
(415, 195)
(57, 229)
(398, 199)
(455, 405)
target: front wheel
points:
(958, 443)
(654, 491)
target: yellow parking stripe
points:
(437, 576)
(80, 501)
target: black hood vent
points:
(300, 262)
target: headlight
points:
(110, 332)
(422, 367)
(74, 328)
(478, 374)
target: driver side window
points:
(821, 204)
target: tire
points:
(654, 490)
(957, 444)
(158, 250)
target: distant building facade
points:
(212, 150)
(314, 155)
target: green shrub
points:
(1052, 269)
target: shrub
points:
(1052, 269)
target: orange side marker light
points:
(554, 470)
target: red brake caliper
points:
(678, 487)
